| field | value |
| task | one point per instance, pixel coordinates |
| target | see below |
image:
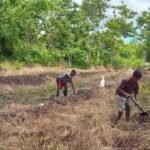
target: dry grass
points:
(8, 68)
(78, 122)
(63, 127)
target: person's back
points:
(64, 77)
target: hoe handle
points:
(137, 104)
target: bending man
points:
(63, 80)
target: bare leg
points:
(127, 108)
(127, 116)
(57, 92)
(119, 116)
(65, 91)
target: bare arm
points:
(135, 97)
(72, 87)
(124, 93)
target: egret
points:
(102, 82)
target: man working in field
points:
(63, 80)
(127, 88)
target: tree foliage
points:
(62, 31)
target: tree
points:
(144, 33)
(20, 22)
(94, 12)
(118, 27)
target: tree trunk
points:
(145, 57)
(98, 54)
(89, 54)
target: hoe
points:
(144, 116)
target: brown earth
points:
(81, 121)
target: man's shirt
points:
(65, 78)
(127, 86)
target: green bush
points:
(105, 58)
(31, 54)
(117, 63)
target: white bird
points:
(41, 104)
(102, 82)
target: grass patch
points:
(11, 65)
(27, 94)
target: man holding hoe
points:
(128, 88)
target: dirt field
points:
(32, 118)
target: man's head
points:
(137, 75)
(73, 73)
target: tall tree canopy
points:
(62, 31)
